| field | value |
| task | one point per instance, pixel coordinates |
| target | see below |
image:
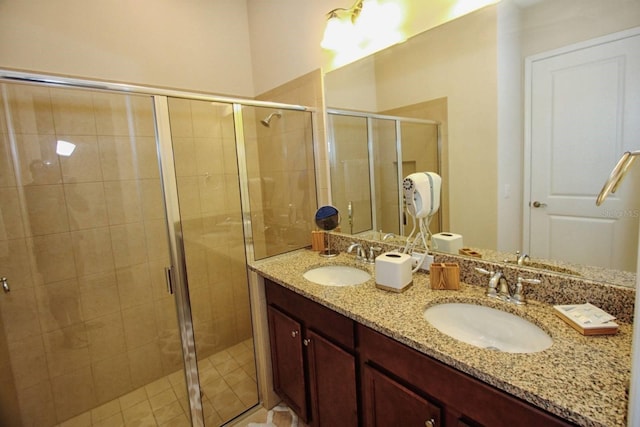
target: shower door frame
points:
(177, 283)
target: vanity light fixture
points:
(340, 26)
(365, 27)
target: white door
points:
(584, 113)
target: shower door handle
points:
(169, 277)
(5, 285)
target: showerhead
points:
(267, 120)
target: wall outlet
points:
(416, 257)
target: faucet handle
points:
(518, 296)
(484, 271)
(372, 253)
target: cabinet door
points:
(388, 403)
(332, 377)
(287, 361)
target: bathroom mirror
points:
(327, 219)
(475, 65)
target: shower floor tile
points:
(227, 382)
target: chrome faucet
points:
(498, 287)
(522, 258)
(364, 255)
(388, 236)
(360, 254)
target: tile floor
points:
(227, 382)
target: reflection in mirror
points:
(328, 219)
(365, 172)
(476, 65)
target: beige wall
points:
(198, 45)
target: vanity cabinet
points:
(432, 393)
(312, 356)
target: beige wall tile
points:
(20, 314)
(30, 368)
(111, 378)
(38, 160)
(86, 204)
(46, 209)
(7, 177)
(106, 337)
(147, 165)
(11, 226)
(123, 115)
(117, 157)
(189, 197)
(128, 243)
(31, 109)
(180, 112)
(59, 305)
(206, 119)
(184, 156)
(73, 112)
(92, 251)
(84, 165)
(157, 245)
(145, 364)
(15, 260)
(53, 257)
(37, 405)
(209, 155)
(73, 393)
(123, 200)
(152, 199)
(134, 285)
(67, 349)
(139, 325)
(99, 295)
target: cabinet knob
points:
(430, 423)
(294, 334)
(306, 342)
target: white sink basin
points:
(488, 328)
(337, 275)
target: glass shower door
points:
(89, 331)
(208, 187)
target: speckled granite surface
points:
(582, 379)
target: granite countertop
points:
(581, 379)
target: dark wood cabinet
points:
(332, 380)
(333, 371)
(287, 362)
(314, 368)
(464, 400)
(386, 402)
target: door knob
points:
(5, 284)
(537, 204)
(306, 342)
(430, 423)
(294, 334)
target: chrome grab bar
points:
(616, 176)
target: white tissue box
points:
(393, 271)
(446, 242)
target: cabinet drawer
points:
(458, 392)
(388, 403)
(330, 324)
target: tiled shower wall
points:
(83, 244)
(209, 194)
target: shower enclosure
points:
(370, 154)
(127, 216)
